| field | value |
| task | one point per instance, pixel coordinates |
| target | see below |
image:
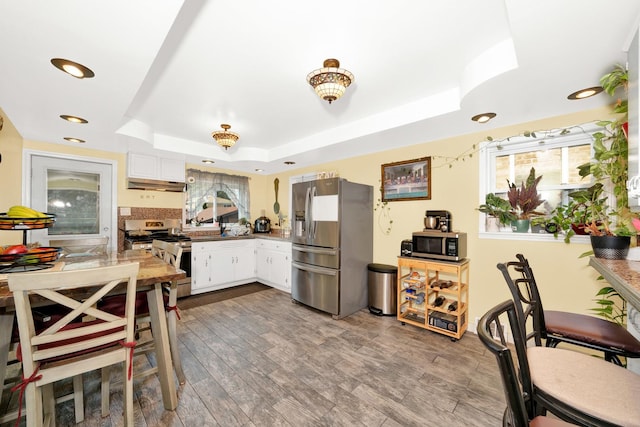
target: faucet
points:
(222, 228)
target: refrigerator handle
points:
(317, 270)
(314, 193)
(307, 215)
(312, 250)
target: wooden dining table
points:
(153, 272)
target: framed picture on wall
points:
(407, 180)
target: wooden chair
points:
(43, 318)
(171, 253)
(76, 247)
(70, 346)
(555, 327)
(574, 386)
(491, 331)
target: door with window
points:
(78, 191)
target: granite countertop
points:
(623, 275)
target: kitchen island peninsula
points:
(624, 276)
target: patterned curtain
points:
(205, 187)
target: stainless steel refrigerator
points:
(332, 240)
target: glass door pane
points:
(73, 197)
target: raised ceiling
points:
(168, 73)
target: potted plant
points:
(609, 165)
(498, 211)
(542, 225)
(607, 225)
(524, 200)
(586, 207)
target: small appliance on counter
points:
(406, 248)
(262, 225)
(449, 246)
(438, 220)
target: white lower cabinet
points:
(273, 263)
(222, 264)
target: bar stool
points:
(574, 386)
(491, 333)
(557, 327)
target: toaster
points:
(406, 248)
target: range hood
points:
(155, 185)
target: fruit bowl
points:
(34, 256)
(15, 223)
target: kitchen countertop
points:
(217, 237)
(623, 275)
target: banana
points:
(24, 212)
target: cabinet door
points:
(142, 165)
(262, 264)
(200, 267)
(244, 264)
(222, 266)
(280, 269)
(172, 169)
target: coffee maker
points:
(438, 220)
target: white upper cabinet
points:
(151, 166)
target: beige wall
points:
(10, 175)
(566, 281)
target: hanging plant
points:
(384, 214)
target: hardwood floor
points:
(260, 360)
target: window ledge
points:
(532, 237)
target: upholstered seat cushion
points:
(590, 329)
(548, 422)
(115, 304)
(601, 389)
(75, 325)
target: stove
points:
(140, 233)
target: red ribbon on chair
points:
(169, 308)
(131, 346)
(22, 385)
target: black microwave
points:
(448, 246)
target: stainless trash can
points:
(382, 285)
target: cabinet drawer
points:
(443, 268)
(273, 245)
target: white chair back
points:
(88, 246)
(75, 346)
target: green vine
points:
(385, 221)
(611, 305)
(468, 154)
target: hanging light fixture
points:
(331, 81)
(225, 138)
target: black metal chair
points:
(491, 333)
(555, 327)
(575, 387)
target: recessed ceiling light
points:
(483, 118)
(585, 93)
(208, 161)
(289, 163)
(74, 119)
(259, 170)
(73, 68)
(70, 139)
